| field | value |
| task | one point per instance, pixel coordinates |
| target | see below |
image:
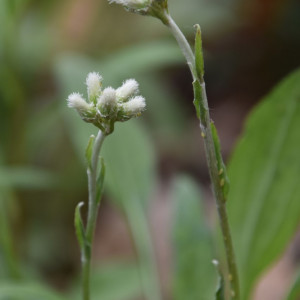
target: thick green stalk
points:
(92, 215)
(210, 149)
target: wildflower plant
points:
(103, 108)
(216, 166)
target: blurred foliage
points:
(194, 275)
(294, 292)
(114, 281)
(264, 207)
(27, 291)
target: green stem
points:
(92, 215)
(205, 121)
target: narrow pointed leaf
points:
(294, 293)
(198, 100)
(100, 180)
(224, 181)
(79, 227)
(89, 150)
(199, 62)
(220, 293)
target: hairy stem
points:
(205, 121)
(92, 215)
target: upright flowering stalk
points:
(103, 108)
(217, 169)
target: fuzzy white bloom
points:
(93, 82)
(107, 101)
(135, 105)
(134, 4)
(75, 100)
(129, 88)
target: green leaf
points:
(89, 150)
(194, 273)
(79, 228)
(294, 293)
(8, 259)
(112, 281)
(130, 162)
(264, 206)
(27, 291)
(224, 181)
(27, 177)
(100, 180)
(198, 99)
(71, 69)
(220, 293)
(199, 62)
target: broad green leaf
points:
(264, 203)
(9, 263)
(27, 291)
(70, 69)
(130, 162)
(27, 177)
(194, 273)
(117, 281)
(294, 293)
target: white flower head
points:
(129, 88)
(75, 100)
(107, 102)
(134, 106)
(94, 83)
(133, 4)
(106, 107)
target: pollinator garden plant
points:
(102, 109)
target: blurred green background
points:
(46, 50)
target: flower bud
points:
(107, 102)
(134, 106)
(129, 88)
(76, 101)
(133, 4)
(93, 82)
(154, 8)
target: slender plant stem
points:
(212, 162)
(92, 215)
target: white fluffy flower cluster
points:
(105, 107)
